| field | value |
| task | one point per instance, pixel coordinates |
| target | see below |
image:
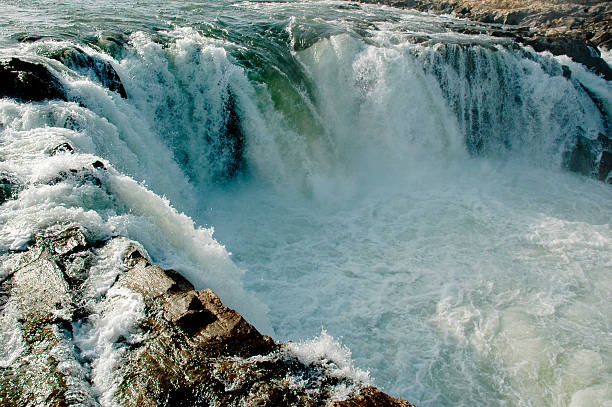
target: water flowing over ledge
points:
(402, 185)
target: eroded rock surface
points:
(95, 323)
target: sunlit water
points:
(404, 187)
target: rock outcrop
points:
(28, 81)
(566, 27)
(95, 323)
(96, 68)
(591, 157)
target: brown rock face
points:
(371, 397)
(81, 329)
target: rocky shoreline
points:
(94, 322)
(562, 27)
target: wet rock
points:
(227, 150)
(371, 397)
(578, 50)
(567, 73)
(28, 81)
(113, 44)
(98, 164)
(94, 67)
(61, 148)
(582, 158)
(80, 176)
(9, 187)
(605, 167)
(182, 348)
(592, 157)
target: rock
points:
(28, 81)
(9, 187)
(227, 150)
(113, 45)
(591, 157)
(605, 167)
(139, 335)
(582, 158)
(579, 51)
(94, 67)
(567, 73)
(81, 176)
(371, 397)
(61, 148)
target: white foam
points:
(103, 338)
(11, 336)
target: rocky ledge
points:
(563, 27)
(95, 323)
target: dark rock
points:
(578, 50)
(227, 151)
(582, 158)
(95, 68)
(98, 164)
(605, 166)
(28, 81)
(113, 44)
(61, 148)
(81, 176)
(9, 187)
(591, 157)
(567, 73)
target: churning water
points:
(367, 171)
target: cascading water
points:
(399, 185)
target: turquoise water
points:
(402, 185)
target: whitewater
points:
(336, 169)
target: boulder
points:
(371, 397)
(592, 157)
(9, 187)
(28, 81)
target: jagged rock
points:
(61, 148)
(95, 68)
(591, 157)
(28, 81)
(82, 176)
(139, 335)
